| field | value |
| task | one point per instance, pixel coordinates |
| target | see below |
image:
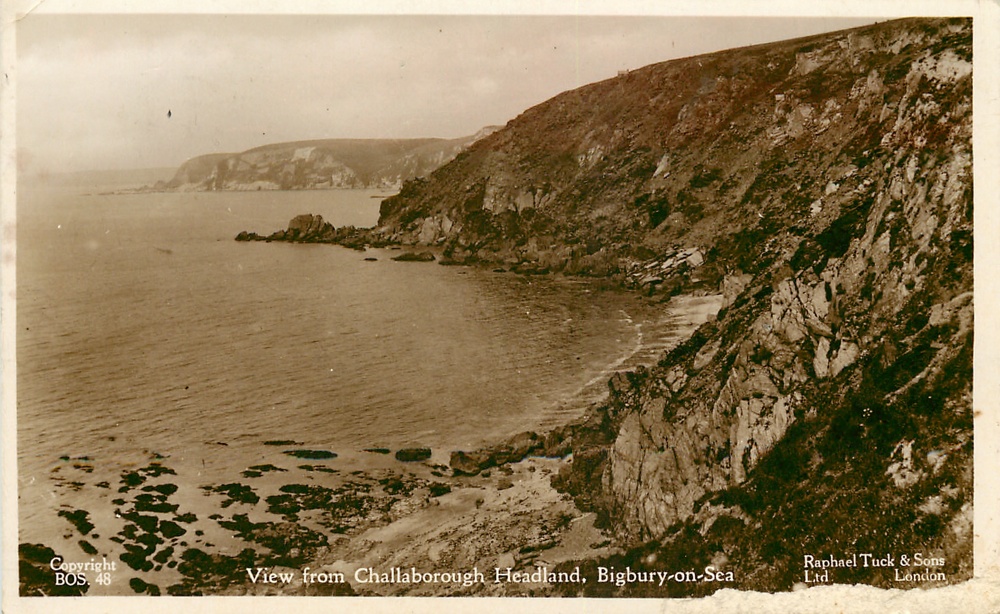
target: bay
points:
(145, 330)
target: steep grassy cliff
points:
(824, 186)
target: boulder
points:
(308, 227)
(469, 463)
(415, 257)
(522, 444)
(558, 443)
(410, 455)
(511, 451)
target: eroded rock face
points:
(854, 213)
(683, 434)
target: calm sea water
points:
(143, 327)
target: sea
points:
(144, 330)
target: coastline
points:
(168, 533)
(828, 412)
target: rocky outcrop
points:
(309, 228)
(194, 171)
(511, 451)
(330, 163)
(664, 274)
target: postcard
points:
(642, 306)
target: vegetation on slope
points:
(827, 183)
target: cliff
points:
(824, 187)
(330, 163)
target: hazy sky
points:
(94, 92)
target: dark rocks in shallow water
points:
(439, 488)
(378, 450)
(140, 586)
(155, 470)
(309, 228)
(256, 471)
(163, 489)
(290, 543)
(135, 557)
(130, 480)
(150, 503)
(36, 577)
(147, 523)
(87, 547)
(320, 468)
(394, 486)
(170, 529)
(305, 228)
(410, 455)
(415, 257)
(235, 493)
(294, 232)
(311, 454)
(79, 519)
(370, 259)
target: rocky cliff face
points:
(824, 186)
(331, 163)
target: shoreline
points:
(355, 509)
(170, 532)
(170, 535)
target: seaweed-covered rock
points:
(410, 455)
(37, 577)
(414, 257)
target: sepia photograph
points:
(449, 304)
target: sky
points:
(119, 91)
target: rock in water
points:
(309, 228)
(511, 451)
(415, 257)
(409, 455)
(469, 463)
